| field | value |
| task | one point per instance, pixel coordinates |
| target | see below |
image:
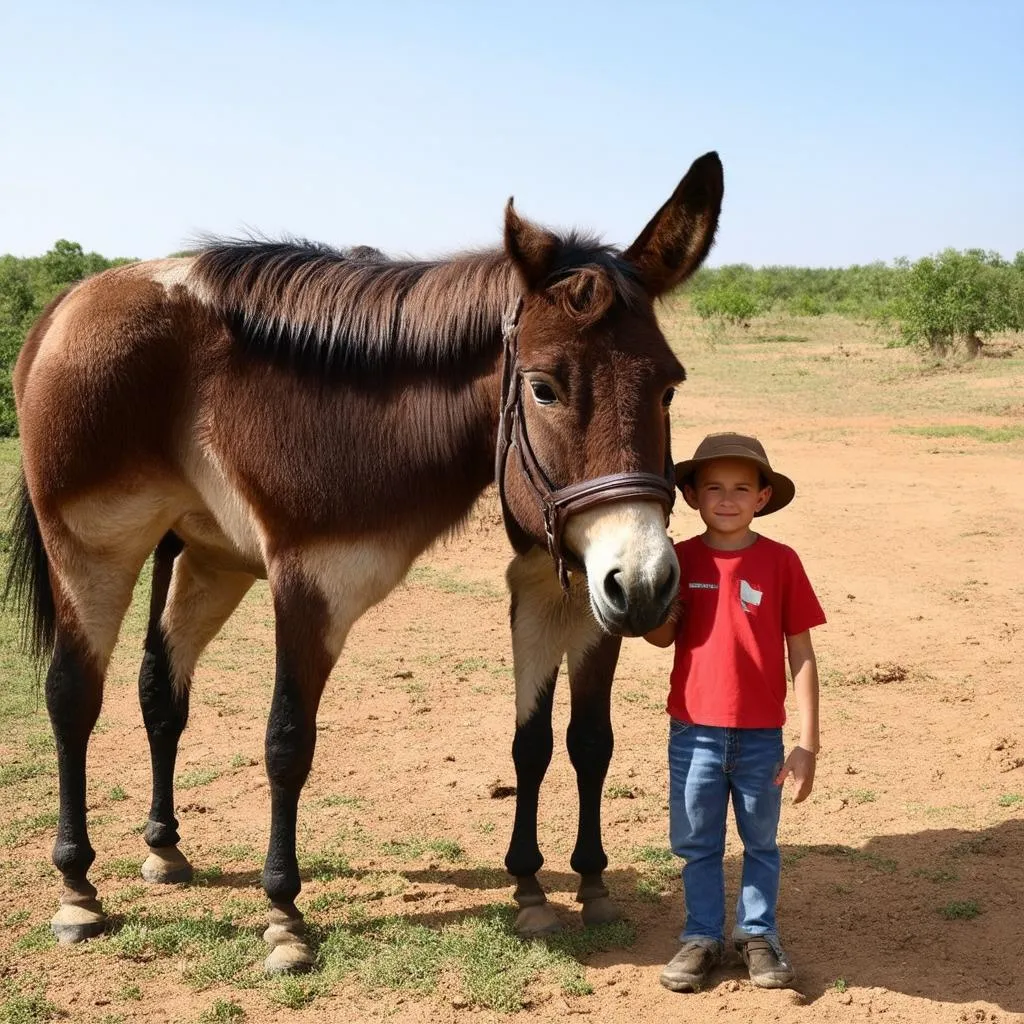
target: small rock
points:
(845, 998)
(499, 791)
(850, 770)
(732, 985)
(405, 674)
(458, 1003)
(449, 757)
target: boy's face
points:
(728, 492)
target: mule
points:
(318, 418)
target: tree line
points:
(946, 303)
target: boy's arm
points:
(665, 634)
(804, 668)
(803, 758)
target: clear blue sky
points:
(850, 131)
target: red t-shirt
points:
(738, 607)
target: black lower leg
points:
(590, 743)
(74, 692)
(531, 752)
(164, 706)
(302, 669)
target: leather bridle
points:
(559, 503)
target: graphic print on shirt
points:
(749, 597)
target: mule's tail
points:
(28, 585)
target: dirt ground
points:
(903, 881)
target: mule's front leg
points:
(303, 664)
(531, 752)
(541, 620)
(590, 743)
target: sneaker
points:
(768, 965)
(688, 970)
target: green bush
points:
(727, 303)
(952, 301)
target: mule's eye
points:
(543, 393)
(666, 399)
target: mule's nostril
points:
(614, 592)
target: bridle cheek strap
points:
(558, 504)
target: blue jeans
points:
(707, 766)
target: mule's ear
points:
(532, 249)
(679, 237)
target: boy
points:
(740, 594)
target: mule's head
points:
(598, 378)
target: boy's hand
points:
(800, 764)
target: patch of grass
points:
(12, 774)
(129, 992)
(936, 875)
(37, 938)
(641, 700)
(223, 1011)
(325, 902)
(863, 796)
(216, 951)
(445, 849)
(21, 1006)
(493, 966)
(783, 339)
(340, 800)
(450, 583)
(118, 793)
(16, 917)
(960, 910)
(326, 866)
(619, 792)
(238, 851)
(240, 761)
(839, 984)
(122, 867)
(196, 777)
(990, 435)
(970, 847)
(204, 876)
(1010, 800)
(886, 864)
(650, 889)
(21, 828)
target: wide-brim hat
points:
(738, 446)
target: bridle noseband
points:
(559, 503)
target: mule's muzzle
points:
(627, 607)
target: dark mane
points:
(316, 307)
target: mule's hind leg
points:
(91, 597)
(74, 693)
(200, 601)
(590, 742)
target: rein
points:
(559, 503)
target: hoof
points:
(166, 865)
(76, 922)
(288, 958)
(536, 921)
(290, 953)
(600, 910)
